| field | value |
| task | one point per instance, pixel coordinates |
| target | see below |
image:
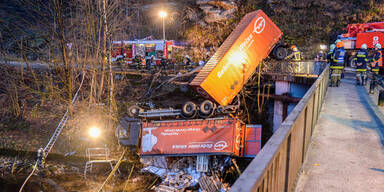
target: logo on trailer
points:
(220, 145)
(259, 25)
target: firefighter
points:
(40, 160)
(376, 66)
(377, 59)
(206, 57)
(330, 53)
(295, 55)
(137, 61)
(361, 59)
(148, 63)
(163, 62)
(337, 64)
(187, 60)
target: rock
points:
(217, 11)
(137, 179)
(75, 169)
(223, 4)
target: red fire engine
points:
(144, 48)
(358, 34)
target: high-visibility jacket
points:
(338, 59)
(377, 59)
(296, 56)
(330, 55)
(361, 59)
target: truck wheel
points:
(134, 110)
(207, 108)
(189, 109)
(279, 52)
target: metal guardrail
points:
(376, 83)
(277, 165)
(297, 67)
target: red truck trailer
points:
(230, 68)
(216, 136)
(236, 60)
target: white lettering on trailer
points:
(200, 146)
(179, 146)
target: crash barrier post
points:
(277, 166)
(381, 98)
(376, 83)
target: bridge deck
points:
(347, 148)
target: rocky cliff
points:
(306, 23)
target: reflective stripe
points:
(297, 56)
(361, 70)
(375, 69)
(378, 61)
(337, 67)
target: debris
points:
(181, 173)
(202, 163)
(155, 170)
(75, 169)
(70, 153)
(210, 183)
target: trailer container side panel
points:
(369, 38)
(209, 136)
(237, 58)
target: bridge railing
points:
(297, 67)
(277, 165)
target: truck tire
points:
(134, 110)
(189, 109)
(279, 52)
(207, 109)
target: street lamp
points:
(163, 14)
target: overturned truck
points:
(194, 146)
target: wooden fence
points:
(276, 167)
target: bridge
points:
(332, 141)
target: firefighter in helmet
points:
(377, 59)
(332, 48)
(295, 55)
(361, 60)
(337, 64)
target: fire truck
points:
(358, 34)
(127, 50)
(201, 137)
(361, 33)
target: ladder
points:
(62, 123)
(56, 134)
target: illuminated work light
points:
(162, 14)
(323, 47)
(94, 132)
